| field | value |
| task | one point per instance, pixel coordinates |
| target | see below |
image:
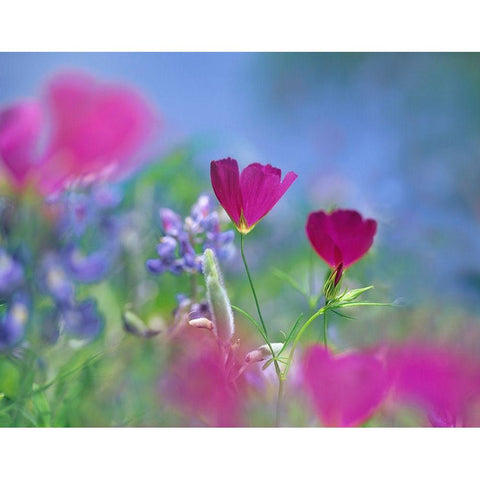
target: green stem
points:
(325, 341)
(257, 304)
(251, 285)
(299, 335)
(279, 401)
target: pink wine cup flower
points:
(79, 127)
(345, 389)
(341, 237)
(248, 196)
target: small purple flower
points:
(171, 222)
(156, 266)
(201, 208)
(11, 273)
(181, 249)
(14, 322)
(87, 268)
(166, 249)
(83, 320)
(55, 280)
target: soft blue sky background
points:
(396, 136)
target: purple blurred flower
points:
(87, 268)
(14, 322)
(55, 281)
(82, 320)
(106, 196)
(11, 272)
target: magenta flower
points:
(20, 127)
(200, 387)
(345, 389)
(442, 383)
(249, 196)
(340, 237)
(94, 129)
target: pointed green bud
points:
(218, 301)
(331, 288)
(354, 294)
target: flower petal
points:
(226, 185)
(20, 127)
(341, 236)
(262, 188)
(96, 126)
(345, 389)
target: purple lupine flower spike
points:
(181, 248)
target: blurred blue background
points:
(395, 136)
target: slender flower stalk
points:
(325, 329)
(260, 316)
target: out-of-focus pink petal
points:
(20, 127)
(226, 185)
(200, 387)
(262, 188)
(345, 389)
(442, 382)
(95, 127)
(341, 236)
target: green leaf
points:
(364, 304)
(252, 320)
(293, 283)
(42, 409)
(10, 379)
(292, 331)
(342, 315)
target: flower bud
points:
(263, 353)
(218, 300)
(133, 324)
(210, 265)
(201, 323)
(331, 288)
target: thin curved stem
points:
(251, 285)
(325, 331)
(299, 335)
(260, 316)
(279, 400)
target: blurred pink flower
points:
(92, 129)
(249, 196)
(20, 127)
(345, 389)
(207, 383)
(340, 237)
(438, 380)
